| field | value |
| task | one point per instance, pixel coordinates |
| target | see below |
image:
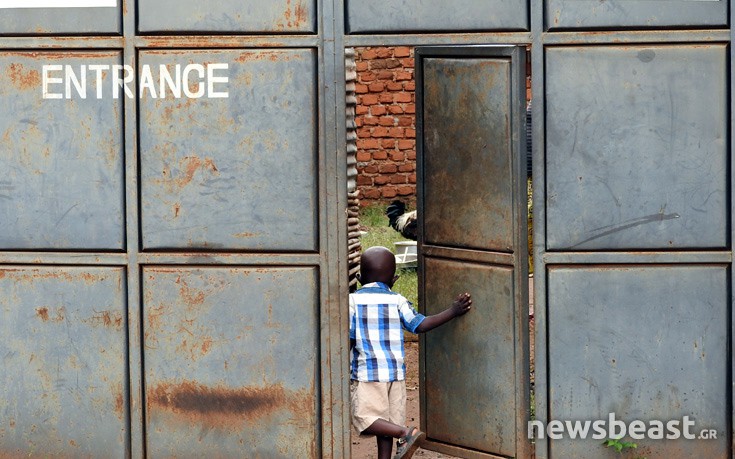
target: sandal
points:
(408, 444)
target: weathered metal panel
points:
(16, 18)
(63, 388)
(276, 16)
(237, 172)
(231, 361)
(485, 340)
(436, 15)
(467, 154)
(643, 342)
(61, 159)
(581, 14)
(637, 147)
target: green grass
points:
(380, 234)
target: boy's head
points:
(378, 264)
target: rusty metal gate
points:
(172, 233)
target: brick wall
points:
(386, 124)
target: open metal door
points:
(474, 371)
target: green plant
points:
(621, 446)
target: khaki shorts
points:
(371, 401)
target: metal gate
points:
(173, 242)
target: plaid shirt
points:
(376, 316)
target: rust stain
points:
(223, 407)
(206, 346)
(2, 274)
(23, 79)
(72, 443)
(244, 235)
(190, 165)
(177, 209)
(106, 319)
(191, 296)
(42, 313)
(119, 405)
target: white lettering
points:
(555, 429)
(97, 68)
(687, 426)
(118, 83)
(212, 79)
(578, 428)
(80, 84)
(200, 87)
(656, 432)
(637, 430)
(612, 424)
(673, 428)
(146, 82)
(48, 80)
(599, 428)
(539, 429)
(166, 80)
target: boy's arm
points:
(462, 304)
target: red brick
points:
(366, 77)
(377, 64)
(364, 133)
(370, 169)
(363, 180)
(388, 192)
(361, 88)
(382, 179)
(397, 155)
(387, 121)
(402, 97)
(388, 144)
(411, 155)
(401, 76)
(380, 155)
(408, 62)
(385, 75)
(369, 99)
(367, 144)
(411, 133)
(392, 63)
(387, 168)
(398, 178)
(409, 85)
(411, 178)
(408, 167)
(394, 132)
(384, 52)
(381, 131)
(361, 110)
(405, 121)
(394, 86)
(377, 110)
(359, 121)
(406, 144)
(362, 66)
(376, 87)
(405, 190)
(386, 98)
(410, 108)
(395, 109)
(368, 54)
(363, 156)
(402, 51)
(372, 193)
(370, 120)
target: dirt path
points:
(366, 448)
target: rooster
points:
(402, 221)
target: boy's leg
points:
(385, 432)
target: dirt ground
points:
(366, 448)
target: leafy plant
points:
(621, 446)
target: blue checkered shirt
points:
(377, 316)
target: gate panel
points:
(472, 238)
(485, 340)
(231, 361)
(63, 388)
(275, 16)
(580, 14)
(434, 15)
(637, 147)
(643, 342)
(466, 135)
(236, 172)
(17, 18)
(62, 159)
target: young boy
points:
(377, 386)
